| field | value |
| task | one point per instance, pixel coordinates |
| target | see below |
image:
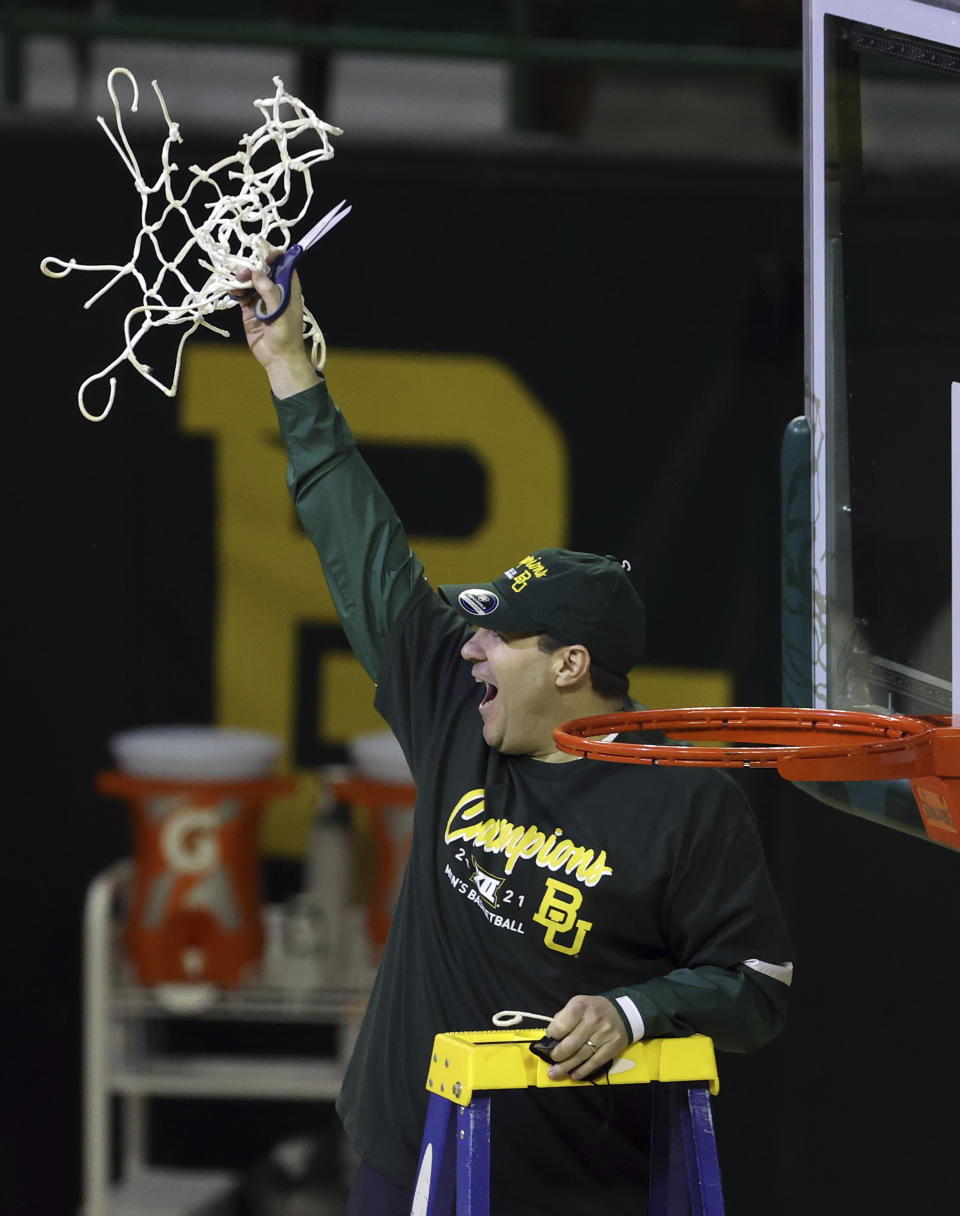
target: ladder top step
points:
(464, 1062)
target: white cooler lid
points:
(378, 756)
(195, 753)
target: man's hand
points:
(589, 1033)
(277, 345)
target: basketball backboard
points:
(874, 626)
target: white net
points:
(245, 209)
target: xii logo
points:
(488, 885)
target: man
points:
(620, 901)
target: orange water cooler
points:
(195, 795)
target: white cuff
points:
(632, 1014)
(776, 971)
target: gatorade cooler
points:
(195, 795)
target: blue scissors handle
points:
(281, 271)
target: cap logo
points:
(478, 602)
(530, 567)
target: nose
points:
(473, 648)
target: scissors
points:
(282, 269)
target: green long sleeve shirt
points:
(527, 882)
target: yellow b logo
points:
(558, 914)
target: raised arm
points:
(277, 346)
(363, 548)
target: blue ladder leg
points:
(684, 1167)
(436, 1170)
(700, 1143)
(473, 1158)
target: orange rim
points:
(749, 737)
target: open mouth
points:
(489, 695)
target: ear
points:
(571, 666)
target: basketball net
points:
(249, 209)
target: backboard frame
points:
(936, 22)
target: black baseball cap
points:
(578, 598)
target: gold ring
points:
(590, 1043)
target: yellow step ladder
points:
(466, 1067)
